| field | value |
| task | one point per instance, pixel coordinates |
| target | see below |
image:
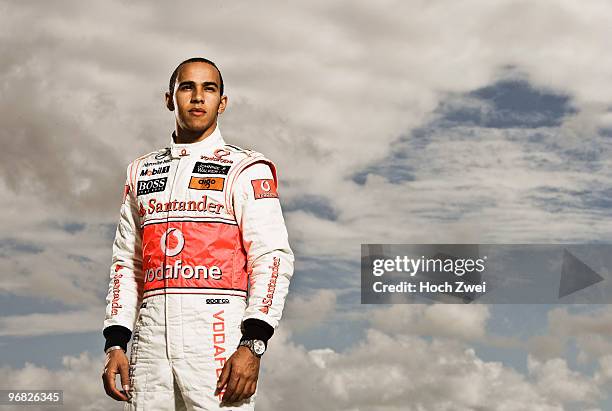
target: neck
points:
(182, 136)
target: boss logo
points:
(217, 301)
(152, 186)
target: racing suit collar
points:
(181, 150)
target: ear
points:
(169, 102)
(222, 104)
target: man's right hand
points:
(116, 363)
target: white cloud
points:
(304, 312)
(464, 322)
(591, 331)
(402, 372)
(556, 381)
(31, 325)
(604, 373)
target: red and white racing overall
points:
(201, 248)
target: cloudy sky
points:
(390, 122)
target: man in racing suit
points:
(201, 262)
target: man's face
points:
(196, 98)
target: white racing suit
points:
(200, 250)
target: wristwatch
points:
(257, 347)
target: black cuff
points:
(254, 329)
(117, 335)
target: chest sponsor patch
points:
(151, 186)
(154, 171)
(210, 168)
(264, 188)
(156, 163)
(207, 183)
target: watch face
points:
(259, 347)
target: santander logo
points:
(180, 242)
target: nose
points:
(197, 96)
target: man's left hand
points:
(239, 376)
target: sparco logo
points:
(158, 170)
(152, 186)
(180, 242)
(217, 301)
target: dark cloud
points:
(15, 246)
(70, 227)
(508, 104)
(317, 205)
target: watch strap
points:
(250, 344)
(113, 348)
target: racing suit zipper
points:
(170, 197)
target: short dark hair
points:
(193, 60)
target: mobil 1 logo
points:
(152, 186)
(210, 168)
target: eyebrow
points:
(192, 83)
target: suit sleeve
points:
(126, 280)
(269, 256)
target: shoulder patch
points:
(264, 188)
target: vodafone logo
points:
(220, 153)
(180, 242)
(264, 188)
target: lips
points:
(197, 111)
